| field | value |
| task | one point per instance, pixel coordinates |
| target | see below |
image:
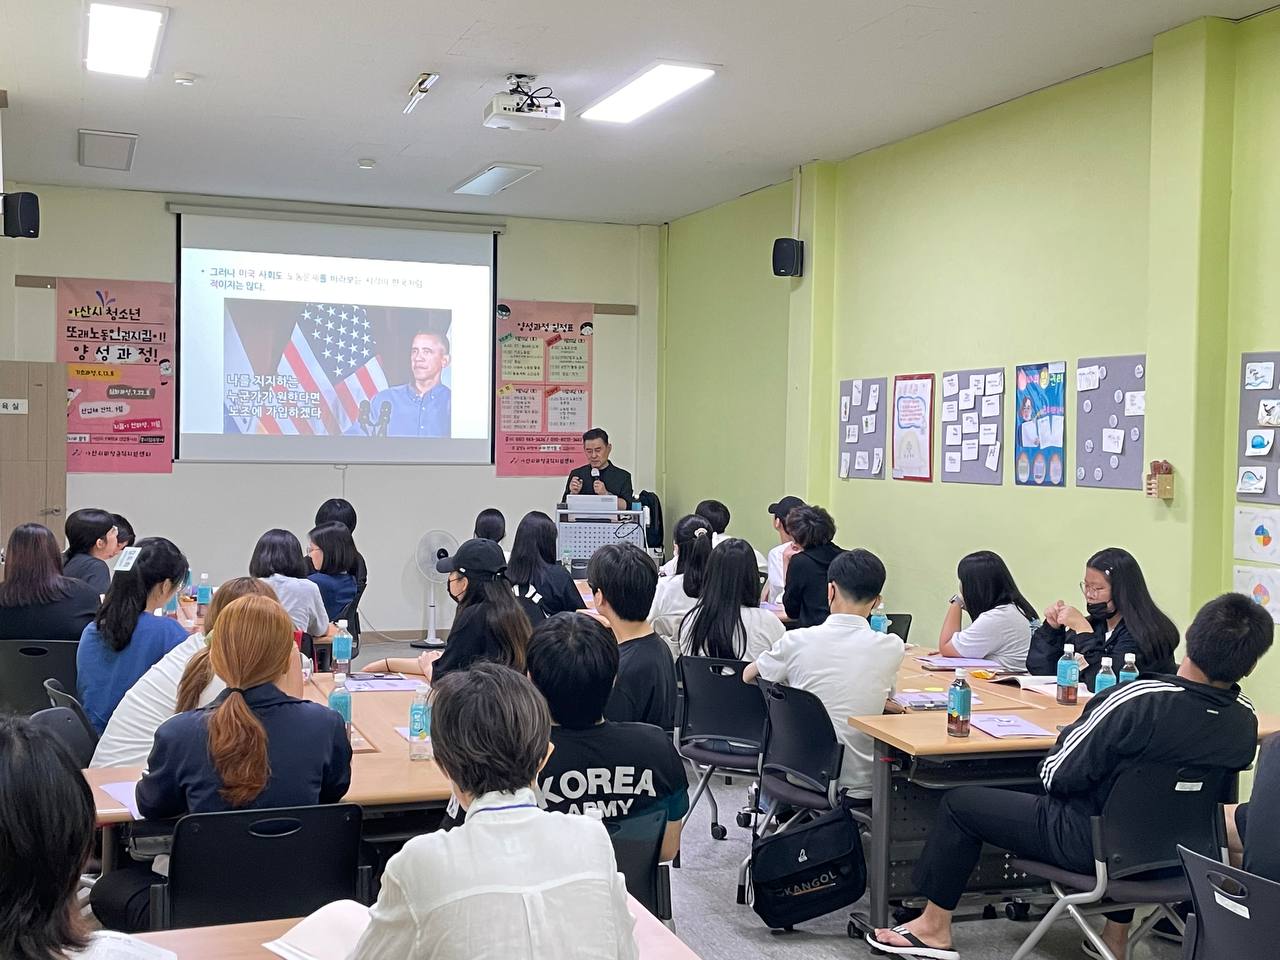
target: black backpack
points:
(808, 871)
(653, 532)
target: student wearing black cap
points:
(777, 570)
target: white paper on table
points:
(991, 405)
(1258, 443)
(856, 395)
(1260, 375)
(877, 461)
(949, 411)
(970, 422)
(873, 398)
(953, 435)
(111, 945)
(1252, 480)
(966, 399)
(977, 384)
(123, 793)
(330, 933)
(868, 423)
(851, 433)
(844, 465)
(987, 433)
(970, 450)
(1113, 441)
(951, 461)
(950, 384)
(1045, 429)
(995, 382)
(1135, 403)
(862, 461)
(844, 409)
(993, 457)
(1086, 379)
(1030, 436)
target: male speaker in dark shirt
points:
(598, 475)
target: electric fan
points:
(434, 545)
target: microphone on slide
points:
(365, 421)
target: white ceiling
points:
(292, 92)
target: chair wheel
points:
(852, 931)
(744, 820)
(1017, 911)
(719, 831)
(989, 912)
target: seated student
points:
(46, 837)
(491, 525)
(126, 639)
(805, 578)
(490, 623)
(843, 662)
(614, 769)
(774, 561)
(513, 882)
(332, 553)
(676, 594)
(182, 680)
(1197, 718)
(124, 533)
(277, 559)
(623, 579)
(1121, 618)
(257, 746)
(727, 621)
(341, 511)
(91, 542)
(36, 601)
(1000, 616)
(1260, 847)
(533, 570)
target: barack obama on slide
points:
(599, 476)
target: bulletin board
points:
(973, 426)
(863, 404)
(1258, 459)
(1111, 424)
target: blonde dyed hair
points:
(198, 673)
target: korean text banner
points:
(117, 339)
(543, 386)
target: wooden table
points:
(243, 941)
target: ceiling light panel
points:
(657, 85)
(124, 40)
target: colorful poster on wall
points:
(117, 339)
(913, 427)
(543, 386)
(1040, 419)
(1257, 534)
(1262, 584)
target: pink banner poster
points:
(117, 419)
(543, 386)
(117, 339)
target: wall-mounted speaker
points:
(21, 214)
(788, 257)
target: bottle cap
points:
(1130, 658)
(423, 687)
(1068, 648)
(1106, 661)
(340, 680)
(961, 673)
(204, 576)
(342, 624)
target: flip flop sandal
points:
(918, 947)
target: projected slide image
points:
(336, 369)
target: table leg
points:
(881, 821)
(108, 848)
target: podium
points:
(581, 532)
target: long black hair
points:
(278, 551)
(693, 538)
(533, 546)
(32, 568)
(1154, 632)
(84, 528)
(503, 617)
(986, 583)
(126, 600)
(732, 582)
(334, 541)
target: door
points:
(33, 445)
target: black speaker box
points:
(21, 215)
(788, 257)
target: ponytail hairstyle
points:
(1154, 632)
(199, 672)
(716, 627)
(693, 548)
(252, 646)
(158, 561)
(84, 528)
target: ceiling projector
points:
(522, 108)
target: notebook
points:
(331, 933)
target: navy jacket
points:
(1047, 643)
(307, 746)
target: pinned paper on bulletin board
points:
(1040, 425)
(1257, 534)
(1262, 585)
(1257, 455)
(1111, 424)
(912, 414)
(977, 434)
(860, 435)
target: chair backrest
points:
(717, 704)
(1237, 913)
(799, 740)
(58, 697)
(66, 726)
(637, 847)
(24, 667)
(245, 865)
(899, 625)
(1153, 807)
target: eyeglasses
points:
(1089, 591)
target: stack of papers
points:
(1002, 725)
(384, 684)
(331, 933)
(939, 662)
(925, 699)
(123, 793)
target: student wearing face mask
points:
(1120, 617)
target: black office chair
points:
(245, 865)
(899, 625)
(24, 667)
(1234, 914)
(637, 847)
(58, 697)
(1150, 810)
(722, 726)
(66, 726)
(799, 763)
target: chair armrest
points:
(1189, 938)
(364, 884)
(1095, 825)
(159, 906)
(664, 891)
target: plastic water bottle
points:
(204, 596)
(420, 724)
(1106, 676)
(1130, 669)
(171, 607)
(342, 651)
(1068, 676)
(959, 706)
(340, 700)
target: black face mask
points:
(1100, 609)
